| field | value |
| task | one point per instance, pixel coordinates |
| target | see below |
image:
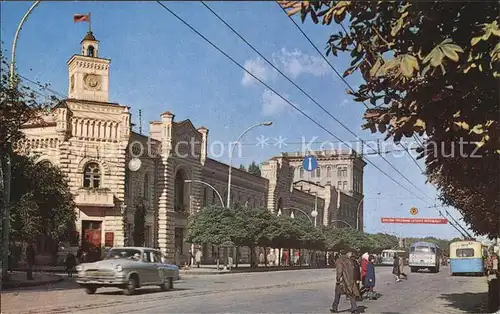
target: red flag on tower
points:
(81, 18)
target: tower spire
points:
(90, 24)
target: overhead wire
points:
(309, 96)
(275, 92)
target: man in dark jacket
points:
(346, 283)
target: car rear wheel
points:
(90, 290)
(131, 286)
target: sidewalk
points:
(18, 280)
(203, 270)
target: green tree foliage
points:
(214, 225)
(242, 167)
(429, 68)
(18, 105)
(42, 204)
(254, 169)
(259, 227)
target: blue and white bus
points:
(468, 257)
(425, 255)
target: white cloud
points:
(260, 69)
(344, 103)
(272, 104)
(295, 63)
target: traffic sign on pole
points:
(310, 163)
(413, 211)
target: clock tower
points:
(88, 74)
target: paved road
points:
(303, 291)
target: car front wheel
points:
(168, 284)
(90, 290)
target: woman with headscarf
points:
(364, 264)
(369, 280)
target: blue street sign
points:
(310, 163)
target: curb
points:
(24, 284)
(237, 271)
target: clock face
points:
(92, 81)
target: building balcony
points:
(94, 197)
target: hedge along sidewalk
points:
(18, 280)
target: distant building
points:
(342, 170)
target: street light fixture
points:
(357, 210)
(210, 186)
(266, 123)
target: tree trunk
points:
(218, 257)
(252, 252)
(237, 257)
(265, 257)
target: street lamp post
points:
(221, 201)
(314, 214)
(357, 210)
(8, 165)
(343, 221)
(210, 186)
(267, 123)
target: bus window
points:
(422, 249)
(433, 250)
(465, 252)
(412, 249)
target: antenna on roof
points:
(140, 121)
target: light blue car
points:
(128, 268)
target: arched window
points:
(214, 197)
(92, 175)
(45, 163)
(318, 172)
(280, 204)
(328, 171)
(301, 172)
(145, 188)
(90, 51)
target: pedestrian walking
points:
(402, 268)
(190, 258)
(261, 258)
(357, 273)
(198, 257)
(364, 264)
(369, 279)
(395, 268)
(345, 283)
(70, 263)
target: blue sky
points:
(158, 64)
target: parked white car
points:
(128, 268)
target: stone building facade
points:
(113, 172)
(342, 170)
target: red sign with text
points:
(432, 221)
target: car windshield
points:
(123, 254)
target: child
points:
(370, 279)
